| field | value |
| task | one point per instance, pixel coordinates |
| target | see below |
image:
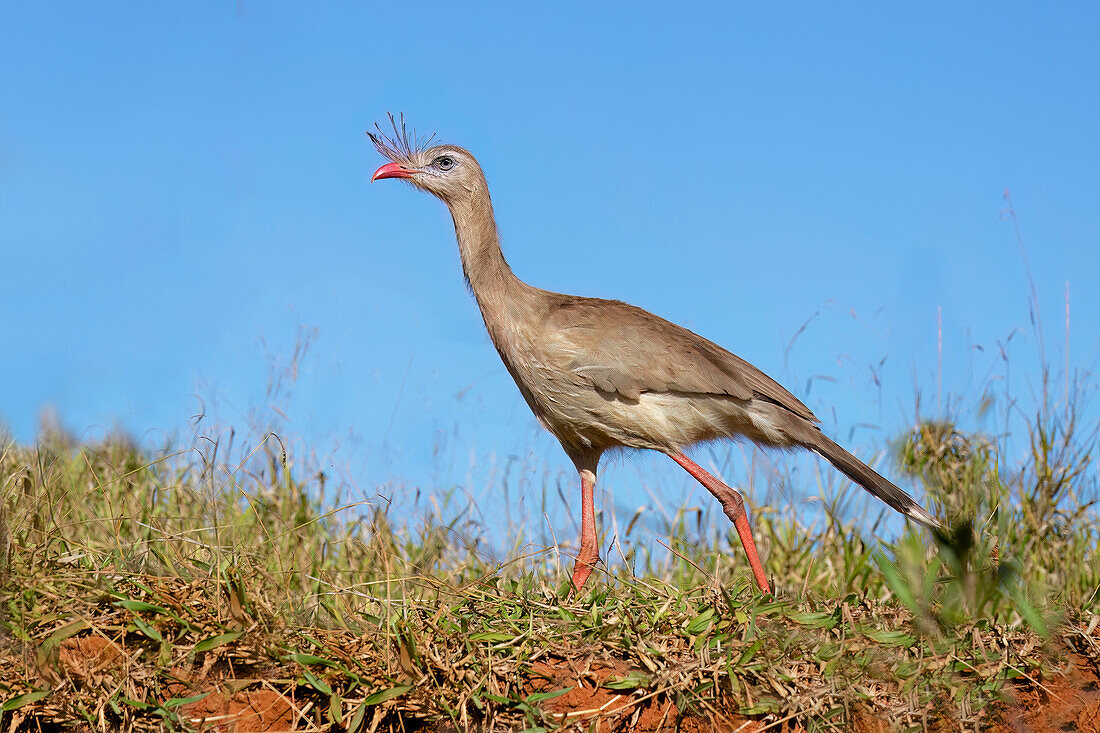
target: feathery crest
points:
(399, 148)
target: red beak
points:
(391, 170)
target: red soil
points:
(247, 710)
(588, 701)
(93, 660)
(1068, 702)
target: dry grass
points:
(160, 591)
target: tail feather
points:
(870, 480)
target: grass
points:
(214, 585)
(148, 591)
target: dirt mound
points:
(1067, 702)
(243, 712)
(588, 698)
(223, 704)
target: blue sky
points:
(184, 187)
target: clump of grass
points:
(217, 576)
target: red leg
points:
(589, 553)
(734, 507)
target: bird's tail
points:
(866, 477)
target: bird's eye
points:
(445, 162)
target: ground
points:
(238, 690)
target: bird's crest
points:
(399, 147)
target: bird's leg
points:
(734, 507)
(589, 553)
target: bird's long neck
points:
(495, 286)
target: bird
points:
(603, 374)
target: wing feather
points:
(619, 348)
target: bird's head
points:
(446, 171)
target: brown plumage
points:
(603, 374)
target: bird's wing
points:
(623, 349)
